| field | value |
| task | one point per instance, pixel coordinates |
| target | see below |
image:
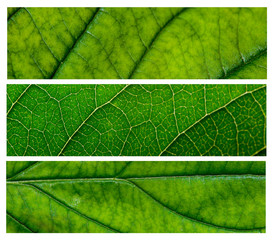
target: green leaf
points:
(140, 43)
(180, 120)
(12, 11)
(138, 196)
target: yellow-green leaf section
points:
(139, 43)
(119, 196)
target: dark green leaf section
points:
(261, 153)
(137, 197)
(139, 43)
(138, 120)
(12, 11)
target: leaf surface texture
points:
(136, 197)
(136, 120)
(140, 43)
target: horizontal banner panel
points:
(136, 197)
(136, 120)
(137, 43)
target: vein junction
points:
(137, 120)
(146, 43)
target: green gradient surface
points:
(138, 120)
(136, 197)
(139, 43)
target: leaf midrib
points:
(129, 182)
(118, 179)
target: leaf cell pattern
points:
(139, 43)
(138, 196)
(136, 120)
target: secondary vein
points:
(17, 10)
(243, 64)
(154, 40)
(18, 222)
(74, 44)
(91, 114)
(133, 184)
(209, 114)
(70, 208)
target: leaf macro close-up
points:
(137, 43)
(136, 197)
(62, 125)
(136, 120)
